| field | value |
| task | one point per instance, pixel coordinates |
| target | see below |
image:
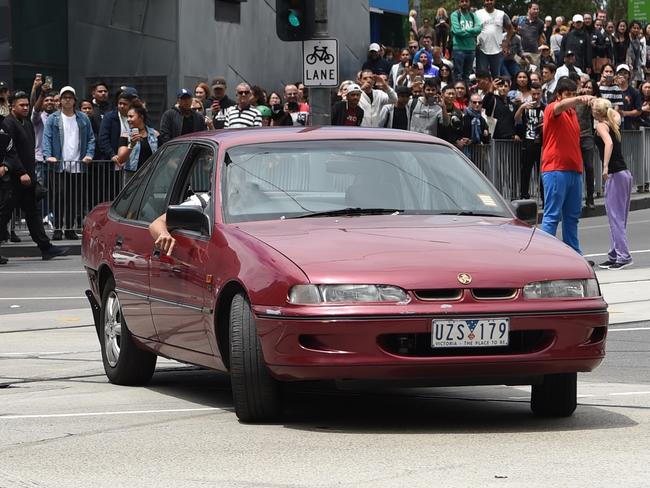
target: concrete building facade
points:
(159, 46)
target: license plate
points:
(470, 332)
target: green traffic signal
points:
(294, 19)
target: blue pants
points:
(489, 62)
(510, 68)
(463, 64)
(563, 201)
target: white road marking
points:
(42, 272)
(630, 393)
(603, 226)
(629, 328)
(605, 254)
(99, 414)
(36, 353)
(42, 298)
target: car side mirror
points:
(187, 217)
(525, 210)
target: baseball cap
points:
(128, 92)
(219, 82)
(578, 18)
(3, 86)
(542, 47)
(548, 17)
(373, 47)
(183, 92)
(569, 53)
(353, 87)
(622, 67)
(68, 89)
(264, 110)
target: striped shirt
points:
(237, 119)
(612, 93)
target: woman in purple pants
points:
(618, 182)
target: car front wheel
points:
(256, 394)
(556, 396)
(124, 362)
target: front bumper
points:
(396, 347)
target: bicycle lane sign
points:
(320, 62)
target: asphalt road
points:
(62, 424)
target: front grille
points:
(442, 294)
(494, 293)
(419, 345)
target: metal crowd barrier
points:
(73, 189)
(73, 192)
(500, 161)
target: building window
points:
(228, 11)
(129, 14)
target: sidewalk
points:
(27, 248)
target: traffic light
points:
(294, 19)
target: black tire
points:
(556, 396)
(256, 394)
(131, 365)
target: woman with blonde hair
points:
(618, 181)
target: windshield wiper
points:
(350, 211)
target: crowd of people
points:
(467, 77)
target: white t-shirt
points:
(491, 36)
(71, 144)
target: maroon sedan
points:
(337, 254)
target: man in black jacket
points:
(19, 190)
(347, 112)
(578, 41)
(181, 119)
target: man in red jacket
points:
(562, 163)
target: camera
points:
(293, 106)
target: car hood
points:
(415, 251)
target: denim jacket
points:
(132, 163)
(53, 139)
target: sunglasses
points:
(243, 93)
(477, 103)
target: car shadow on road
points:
(321, 407)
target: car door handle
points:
(119, 240)
(156, 253)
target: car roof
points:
(237, 137)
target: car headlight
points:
(316, 294)
(562, 289)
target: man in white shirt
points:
(68, 142)
(494, 24)
(373, 100)
(566, 69)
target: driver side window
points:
(154, 200)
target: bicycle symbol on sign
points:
(320, 54)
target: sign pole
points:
(319, 97)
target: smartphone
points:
(39, 76)
(49, 81)
(135, 131)
(208, 112)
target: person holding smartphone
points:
(139, 144)
(608, 88)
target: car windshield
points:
(352, 177)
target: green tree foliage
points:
(617, 9)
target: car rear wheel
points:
(556, 396)
(256, 394)
(124, 362)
